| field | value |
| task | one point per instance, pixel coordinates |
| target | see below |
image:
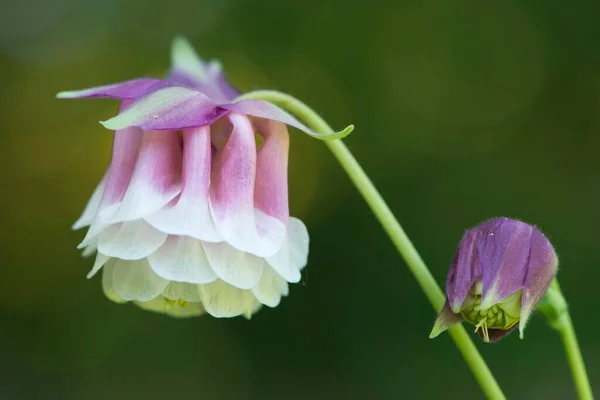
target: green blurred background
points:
(464, 110)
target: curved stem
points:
(559, 317)
(394, 230)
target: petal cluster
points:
(192, 213)
(501, 270)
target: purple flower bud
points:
(501, 270)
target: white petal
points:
(270, 288)
(240, 269)
(174, 309)
(182, 259)
(89, 250)
(223, 300)
(293, 255)
(256, 305)
(101, 259)
(92, 206)
(183, 291)
(130, 240)
(187, 218)
(135, 280)
(107, 286)
(100, 224)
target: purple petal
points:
(271, 186)
(464, 272)
(214, 84)
(124, 90)
(503, 248)
(543, 264)
(171, 108)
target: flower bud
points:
(501, 270)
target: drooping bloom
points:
(192, 213)
(501, 270)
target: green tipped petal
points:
(445, 320)
(185, 59)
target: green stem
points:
(394, 230)
(559, 317)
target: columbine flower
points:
(501, 271)
(191, 214)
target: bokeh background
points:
(464, 110)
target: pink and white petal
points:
(190, 213)
(271, 186)
(235, 267)
(222, 300)
(101, 260)
(182, 259)
(269, 289)
(183, 291)
(135, 280)
(130, 240)
(293, 255)
(124, 90)
(107, 286)
(171, 108)
(126, 147)
(232, 195)
(156, 179)
(264, 109)
(89, 212)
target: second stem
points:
(413, 260)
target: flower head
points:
(192, 215)
(501, 270)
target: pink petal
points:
(156, 179)
(190, 214)
(271, 186)
(232, 196)
(124, 90)
(171, 108)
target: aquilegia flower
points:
(192, 214)
(501, 270)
